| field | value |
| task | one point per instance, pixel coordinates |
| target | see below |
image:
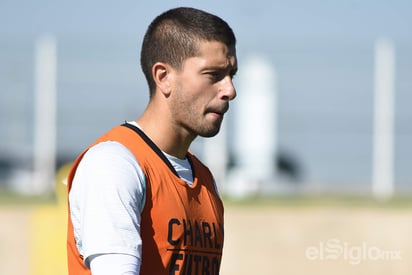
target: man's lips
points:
(219, 111)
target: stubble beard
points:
(191, 118)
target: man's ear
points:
(161, 75)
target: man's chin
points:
(210, 132)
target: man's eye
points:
(216, 75)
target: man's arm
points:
(113, 264)
(106, 201)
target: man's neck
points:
(166, 137)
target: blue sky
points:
(322, 50)
(251, 19)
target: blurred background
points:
(324, 89)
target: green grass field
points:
(320, 200)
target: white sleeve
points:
(114, 264)
(106, 201)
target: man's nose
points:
(228, 91)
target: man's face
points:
(203, 88)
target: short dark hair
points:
(173, 36)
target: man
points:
(139, 201)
